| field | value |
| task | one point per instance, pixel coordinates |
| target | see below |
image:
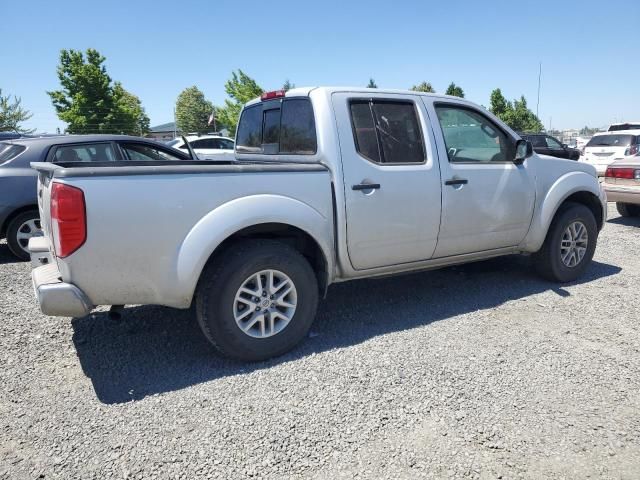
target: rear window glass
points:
(387, 131)
(288, 129)
(9, 151)
(611, 141)
(624, 126)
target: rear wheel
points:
(20, 230)
(628, 209)
(258, 301)
(570, 244)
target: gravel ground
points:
(482, 371)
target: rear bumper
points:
(624, 195)
(57, 298)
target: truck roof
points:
(306, 91)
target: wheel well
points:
(12, 215)
(590, 201)
(290, 235)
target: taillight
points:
(632, 150)
(273, 94)
(68, 219)
(624, 173)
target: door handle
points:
(365, 186)
(456, 181)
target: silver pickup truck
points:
(330, 184)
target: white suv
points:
(207, 147)
(607, 147)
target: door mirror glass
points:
(524, 150)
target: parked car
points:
(622, 185)
(548, 145)
(10, 135)
(605, 148)
(330, 184)
(19, 219)
(616, 127)
(207, 147)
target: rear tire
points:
(628, 209)
(256, 326)
(24, 226)
(569, 245)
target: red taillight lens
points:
(626, 173)
(633, 150)
(68, 219)
(274, 94)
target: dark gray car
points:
(19, 220)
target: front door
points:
(391, 179)
(487, 200)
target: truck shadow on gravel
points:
(154, 349)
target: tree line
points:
(89, 101)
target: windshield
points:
(9, 151)
(611, 141)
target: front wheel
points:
(570, 244)
(628, 209)
(257, 301)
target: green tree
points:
(241, 88)
(12, 114)
(89, 102)
(193, 111)
(128, 112)
(372, 83)
(423, 87)
(454, 90)
(288, 85)
(516, 114)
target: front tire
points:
(570, 244)
(628, 209)
(257, 301)
(24, 226)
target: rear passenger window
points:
(99, 152)
(387, 131)
(278, 127)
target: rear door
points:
(391, 178)
(487, 200)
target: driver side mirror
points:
(524, 150)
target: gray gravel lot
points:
(481, 371)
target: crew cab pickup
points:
(329, 184)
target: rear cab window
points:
(278, 127)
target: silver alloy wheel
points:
(265, 303)
(573, 246)
(28, 229)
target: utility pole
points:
(539, 77)
(175, 126)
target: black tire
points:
(12, 233)
(548, 260)
(223, 277)
(628, 209)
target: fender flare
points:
(560, 190)
(235, 215)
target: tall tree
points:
(241, 88)
(12, 114)
(129, 112)
(288, 85)
(516, 114)
(423, 87)
(454, 90)
(89, 102)
(193, 111)
(372, 83)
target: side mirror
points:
(524, 150)
(564, 145)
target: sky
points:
(590, 69)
